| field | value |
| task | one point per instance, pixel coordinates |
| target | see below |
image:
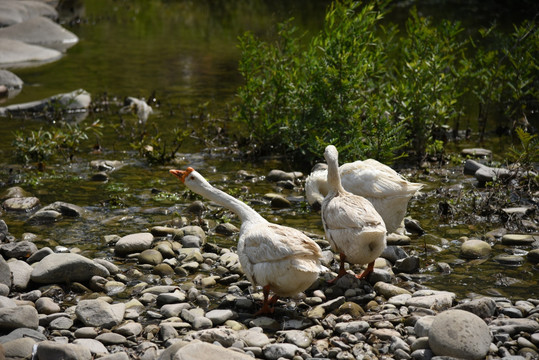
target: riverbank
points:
(157, 292)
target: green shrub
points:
(42, 145)
(372, 93)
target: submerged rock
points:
(76, 102)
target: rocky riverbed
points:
(168, 293)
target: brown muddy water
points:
(186, 52)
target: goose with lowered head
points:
(352, 225)
(277, 258)
(386, 189)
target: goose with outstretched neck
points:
(278, 258)
(353, 227)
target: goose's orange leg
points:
(367, 271)
(267, 304)
(342, 270)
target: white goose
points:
(353, 227)
(276, 257)
(386, 189)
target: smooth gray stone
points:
(99, 313)
(14, 12)
(23, 332)
(56, 350)
(40, 31)
(14, 53)
(67, 267)
(460, 334)
(12, 82)
(24, 316)
(5, 272)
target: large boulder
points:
(459, 334)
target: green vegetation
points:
(375, 92)
(43, 145)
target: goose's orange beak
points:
(181, 174)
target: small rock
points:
(474, 249)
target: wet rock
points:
(195, 231)
(475, 249)
(280, 175)
(12, 83)
(66, 209)
(99, 313)
(533, 256)
(226, 229)
(56, 350)
(397, 239)
(39, 30)
(133, 243)
(15, 192)
(44, 217)
(75, 103)
(517, 239)
(150, 256)
(407, 265)
(22, 204)
(477, 152)
(18, 250)
(459, 334)
(191, 241)
(507, 259)
(68, 267)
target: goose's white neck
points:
(334, 178)
(199, 185)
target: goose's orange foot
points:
(368, 270)
(268, 305)
(342, 270)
